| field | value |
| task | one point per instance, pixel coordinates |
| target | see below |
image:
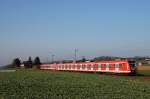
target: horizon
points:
(57, 27)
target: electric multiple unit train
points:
(115, 66)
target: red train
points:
(116, 66)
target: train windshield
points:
(133, 67)
(132, 63)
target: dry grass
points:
(143, 67)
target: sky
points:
(95, 27)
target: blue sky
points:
(95, 27)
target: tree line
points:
(27, 64)
(36, 62)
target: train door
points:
(122, 67)
(75, 66)
(99, 67)
(95, 67)
(103, 68)
(107, 67)
(88, 67)
(65, 66)
(117, 67)
(78, 66)
(92, 67)
(83, 66)
(57, 66)
(61, 67)
(112, 67)
(70, 67)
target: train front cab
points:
(133, 67)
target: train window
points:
(107, 65)
(95, 65)
(120, 65)
(78, 66)
(103, 65)
(69, 66)
(74, 66)
(99, 65)
(88, 66)
(112, 65)
(117, 65)
(83, 66)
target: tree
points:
(17, 62)
(30, 59)
(37, 62)
(30, 62)
(83, 59)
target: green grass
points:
(38, 84)
(146, 64)
(144, 72)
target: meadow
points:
(40, 84)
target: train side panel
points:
(105, 66)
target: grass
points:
(146, 64)
(144, 72)
(38, 84)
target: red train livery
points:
(116, 66)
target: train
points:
(113, 66)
